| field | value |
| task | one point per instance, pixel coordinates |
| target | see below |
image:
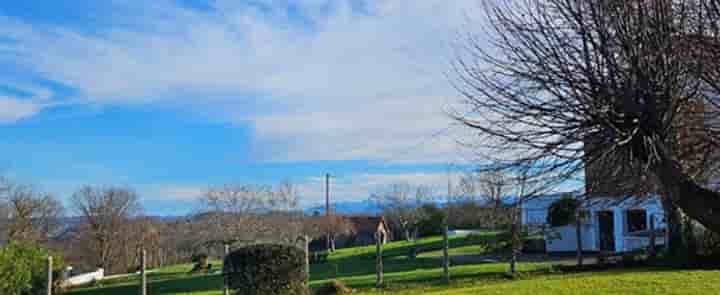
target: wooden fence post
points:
(49, 275)
(379, 260)
(143, 275)
(226, 287)
(306, 244)
(446, 256)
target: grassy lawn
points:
(356, 267)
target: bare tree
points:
(401, 204)
(493, 189)
(106, 212)
(331, 227)
(244, 213)
(557, 86)
(27, 215)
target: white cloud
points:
(358, 187)
(172, 192)
(349, 86)
(13, 109)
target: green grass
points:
(356, 267)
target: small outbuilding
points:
(609, 225)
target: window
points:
(636, 220)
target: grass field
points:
(422, 275)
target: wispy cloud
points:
(14, 109)
(360, 186)
(328, 80)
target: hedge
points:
(266, 269)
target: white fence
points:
(85, 278)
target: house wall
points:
(563, 239)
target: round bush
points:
(266, 269)
(562, 212)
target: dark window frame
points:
(635, 220)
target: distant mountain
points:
(346, 208)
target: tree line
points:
(105, 226)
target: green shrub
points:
(431, 223)
(23, 270)
(562, 212)
(267, 269)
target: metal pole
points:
(143, 275)
(49, 275)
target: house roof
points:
(367, 224)
(594, 203)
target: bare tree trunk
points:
(578, 235)
(652, 252)
(690, 241)
(514, 240)
(699, 203)
(673, 236)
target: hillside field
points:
(422, 275)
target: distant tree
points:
(332, 227)
(400, 203)
(28, 216)
(106, 212)
(431, 223)
(492, 188)
(244, 213)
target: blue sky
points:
(174, 96)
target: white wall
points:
(564, 238)
(85, 278)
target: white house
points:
(610, 225)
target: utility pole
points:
(327, 194)
(327, 209)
